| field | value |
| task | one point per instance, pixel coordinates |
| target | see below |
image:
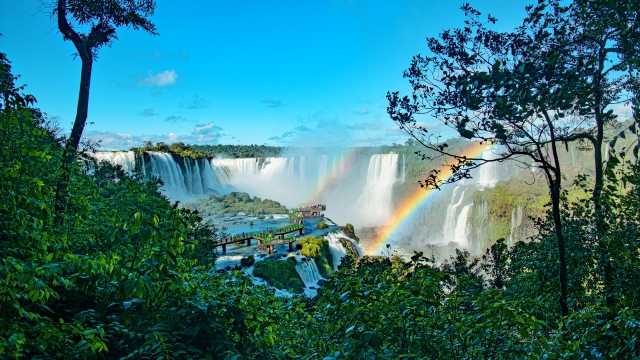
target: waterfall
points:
(308, 271)
(290, 167)
(237, 166)
(404, 169)
(322, 172)
(376, 195)
(186, 180)
(126, 159)
(337, 250)
(516, 221)
(334, 168)
(450, 221)
(488, 173)
(274, 167)
(302, 164)
(164, 167)
(461, 233)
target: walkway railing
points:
(268, 237)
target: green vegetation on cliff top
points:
(235, 202)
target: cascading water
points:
(290, 166)
(337, 249)
(126, 159)
(461, 233)
(450, 221)
(376, 196)
(240, 166)
(404, 169)
(516, 221)
(274, 167)
(322, 172)
(308, 271)
(487, 173)
(187, 179)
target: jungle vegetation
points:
(235, 202)
(111, 269)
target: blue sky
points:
(290, 73)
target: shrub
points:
(280, 274)
(318, 249)
(248, 261)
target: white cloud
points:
(165, 78)
(362, 112)
(109, 140)
(623, 111)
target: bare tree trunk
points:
(557, 221)
(605, 260)
(555, 187)
(82, 110)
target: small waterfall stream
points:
(516, 221)
(337, 249)
(308, 271)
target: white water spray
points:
(376, 196)
(308, 271)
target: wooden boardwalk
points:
(269, 238)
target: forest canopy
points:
(110, 268)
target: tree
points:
(530, 90)
(103, 17)
(601, 36)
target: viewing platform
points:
(312, 211)
(269, 238)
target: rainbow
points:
(340, 159)
(414, 202)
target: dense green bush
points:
(248, 261)
(280, 274)
(318, 249)
(234, 203)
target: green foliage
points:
(236, 202)
(280, 274)
(239, 151)
(318, 249)
(351, 249)
(350, 231)
(179, 148)
(248, 261)
(322, 225)
(118, 274)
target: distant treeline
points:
(239, 151)
(236, 202)
(197, 151)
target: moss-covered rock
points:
(322, 225)
(351, 249)
(318, 250)
(350, 231)
(248, 261)
(280, 274)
